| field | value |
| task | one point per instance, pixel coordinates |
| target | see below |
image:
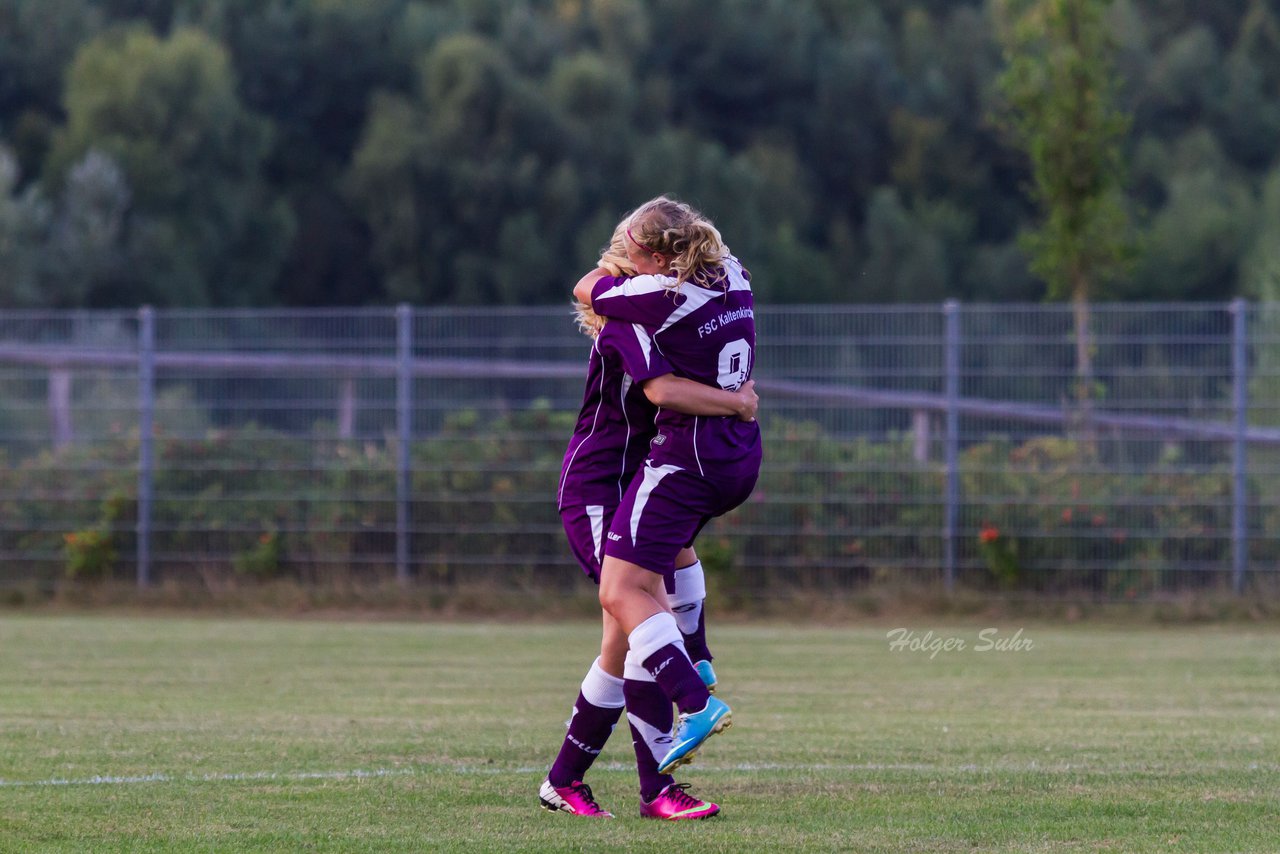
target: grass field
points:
(160, 734)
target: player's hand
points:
(750, 401)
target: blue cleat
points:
(708, 674)
(692, 730)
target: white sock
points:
(634, 668)
(653, 634)
(686, 601)
(601, 689)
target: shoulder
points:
(631, 286)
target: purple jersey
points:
(707, 335)
(616, 421)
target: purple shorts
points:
(664, 509)
(585, 527)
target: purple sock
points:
(695, 643)
(589, 729)
(651, 719)
(673, 671)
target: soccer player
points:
(693, 300)
(625, 382)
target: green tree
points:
(285, 56)
(157, 14)
(37, 41)
(622, 28)
(467, 186)
(476, 150)
(86, 251)
(737, 68)
(24, 223)
(1195, 241)
(1248, 110)
(204, 228)
(1063, 113)
(63, 253)
(1261, 281)
(911, 252)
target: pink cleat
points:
(675, 804)
(575, 799)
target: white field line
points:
(742, 767)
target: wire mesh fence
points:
(952, 445)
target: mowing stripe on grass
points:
(740, 768)
(298, 776)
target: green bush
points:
(91, 553)
(263, 559)
(828, 512)
(1074, 518)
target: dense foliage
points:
(309, 152)
(261, 504)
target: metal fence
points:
(950, 445)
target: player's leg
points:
(595, 713)
(636, 599)
(686, 597)
(687, 588)
(600, 698)
(651, 719)
(649, 714)
(657, 518)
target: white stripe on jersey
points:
(637, 285)
(595, 512)
(626, 444)
(595, 420)
(737, 281)
(653, 475)
(646, 342)
(697, 459)
(695, 297)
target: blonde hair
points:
(676, 230)
(614, 259)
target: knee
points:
(614, 587)
(610, 596)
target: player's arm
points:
(643, 360)
(634, 299)
(582, 290)
(695, 398)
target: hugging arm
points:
(695, 398)
(646, 299)
(582, 290)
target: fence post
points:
(404, 425)
(951, 358)
(146, 451)
(1240, 484)
(60, 407)
(347, 408)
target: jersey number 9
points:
(735, 364)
